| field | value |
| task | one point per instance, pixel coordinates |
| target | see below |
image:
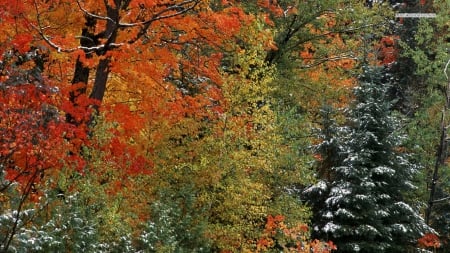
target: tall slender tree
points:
(365, 210)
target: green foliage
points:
(423, 47)
(294, 158)
(177, 222)
(69, 229)
(423, 136)
(58, 223)
(14, 215)
(424, 50)
(317, 46)
(302, 22)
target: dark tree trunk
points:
(441, 156)
(101, 77)
(81, 73)
(103, 70)
(89, 40)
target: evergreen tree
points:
(330, 152)
(178, 222)
(364, 209)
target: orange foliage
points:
(272, 6)
(429, 240)
(293, 239)
(387, 51)
(327, 73)
(162, 63)
(156, 43)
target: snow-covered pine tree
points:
(364, 209)
(330, 153)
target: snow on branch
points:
(445, 69)
(61, 49)
(179, 9)
(90, 14)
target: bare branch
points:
(327, 59)
(90, 14)
(445, 69)
(85, 38)
(61, 49)
(179, 8)
(441, 200)
(40, 29)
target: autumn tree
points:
(318, 46)
(101, 33)
(151, 43)
(93, 203)
(231, 152)
(34, 136)
(166, 48)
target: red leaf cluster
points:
(429, 240)
(277, 232)
(21, 42)
(387, 51)
(34, 137)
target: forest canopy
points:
(223, 126)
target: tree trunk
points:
(81, 73)
(441, 155)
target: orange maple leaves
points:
(387, 50)
(297, 237)
(429, 240)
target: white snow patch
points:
(400, 228)
(330, 227)
(383, 170)
(345, 212)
